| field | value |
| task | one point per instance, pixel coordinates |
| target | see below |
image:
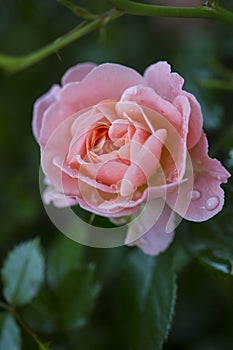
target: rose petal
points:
(152, 238)
(145, 96)
(195, 121)
(60, 200)
(208, 196)
(40, 107)
(53, 117)
(111, 172)
(166, 84)
(145, 164)
(107, 81)
(201, 200)
(77, 73)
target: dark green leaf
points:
(147, 294)
(23, 273)
(44, 346)
(212, 242)
(41, 313)
(76, 296)
(63, 256)
(10, 337)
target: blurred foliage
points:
(70, 293)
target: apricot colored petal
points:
(77, 73)
(41, 106)
(166, 84)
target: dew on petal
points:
(194, 195)
(212, 203)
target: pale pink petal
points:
(202, 199)
(53, 117)
(107, 81)
(195, 121)
(209, 174)
(105, 203)
(57, 150)
(40, 107)
(146, 96)
(111, 172)
(155, 237)
(145, 164)
(118, 129)
(77, 73)
(60, 200)
(108, 213)
(166, 84)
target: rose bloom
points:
(112, 140)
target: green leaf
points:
(23, 273)
(41, 313)
(76, 296)
(147, 293)
(10, 337)
(64, 255)
(45, 346)
(212, 242)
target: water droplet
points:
(194, 195)
(212, 203)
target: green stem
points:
(13, 63)
(78, 10)
(23, 324)
(210, 11)
(17, 63)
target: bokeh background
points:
(199, 50)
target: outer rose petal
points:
(169, 85)
(77, 73)
(207, 197)
(60, 200)
(166, 84)
(156, 239)
(107, 81)
(41, 106)
(195, 121)
(208, 174)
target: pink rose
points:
(112, 140)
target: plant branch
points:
(23, 324)
(12, 63)
(78, 10)
(208, 10)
